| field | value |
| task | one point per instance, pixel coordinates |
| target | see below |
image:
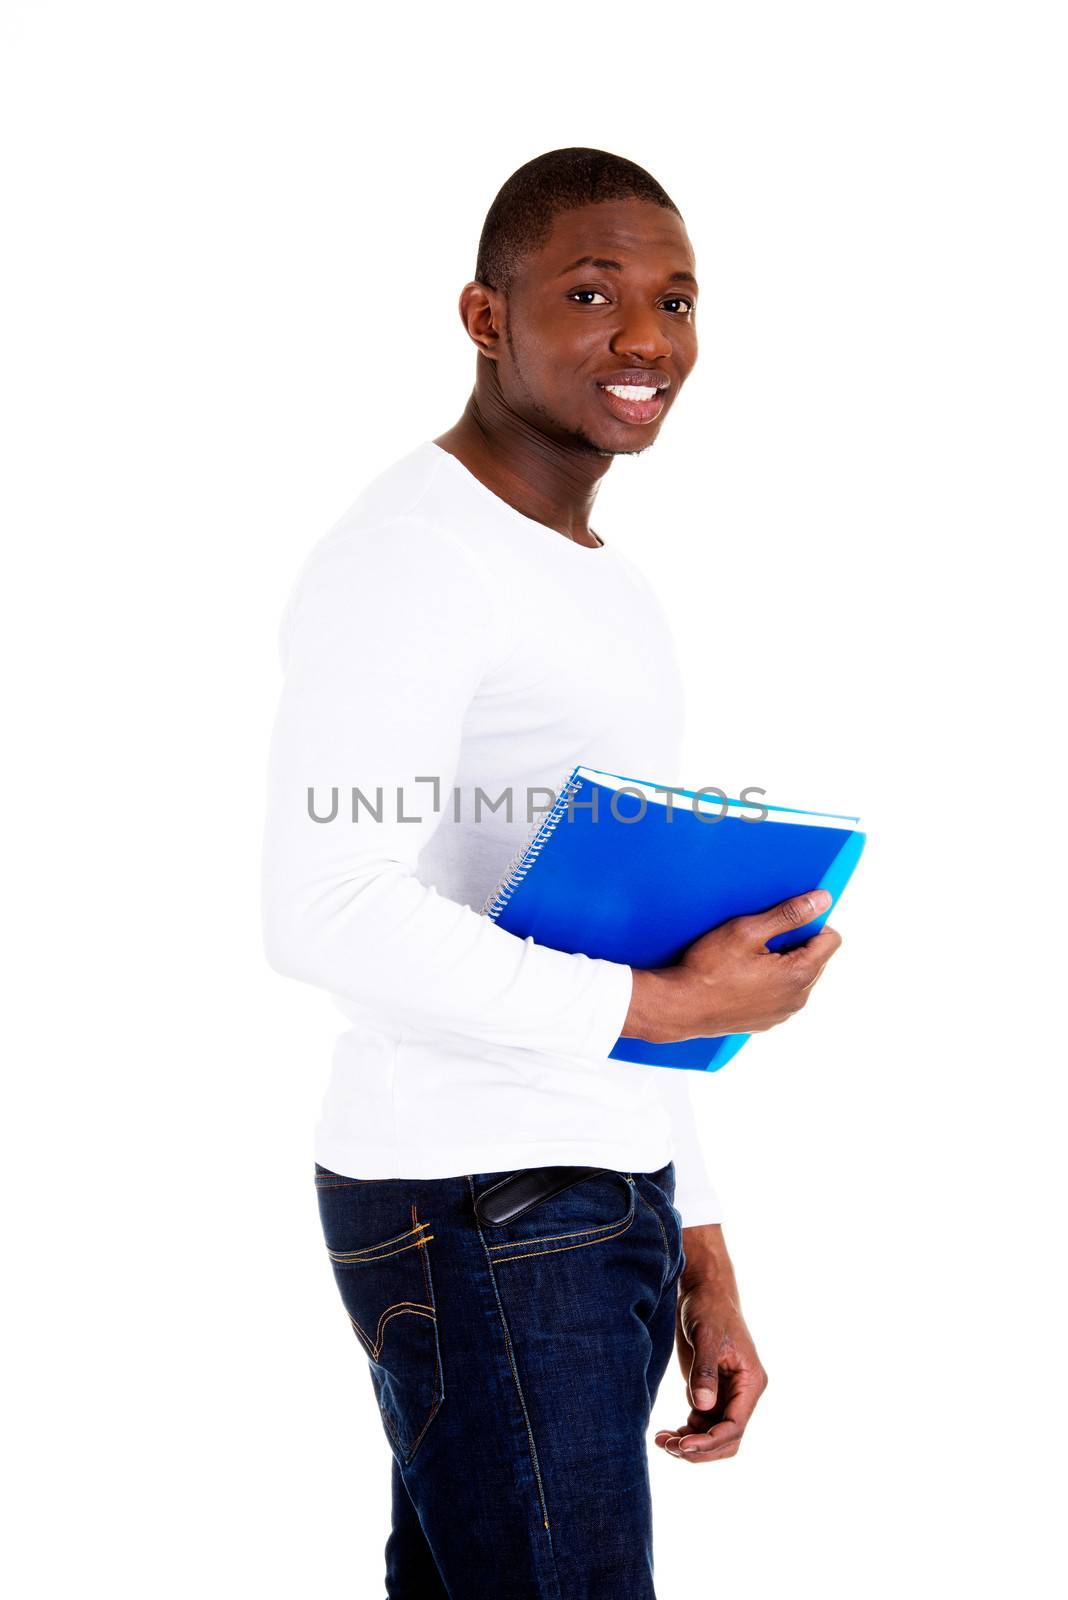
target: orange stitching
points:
(357, 1260)
(437, 1346)
(650, 1207)
(368, 1252)
(400, 1310)
(415, 1306)
(426, 1424)
(561, 1247)
(394, 1310)
(391, 1430)
(364, 1337)
(510, 1244)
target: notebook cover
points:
(639, 888)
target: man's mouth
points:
(635, 398)
(632, 391)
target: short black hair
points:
(521, 217)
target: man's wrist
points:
(659, 1010)
(707, 1259)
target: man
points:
(460, 633)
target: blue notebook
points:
(621, 869)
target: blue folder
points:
(632, 871)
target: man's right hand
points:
(727, 981)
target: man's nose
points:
(642, 335)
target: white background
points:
(236, 236)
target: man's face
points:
(625, 318)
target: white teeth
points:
(628, 391)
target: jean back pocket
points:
(378, 1249)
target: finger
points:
(703, 1382)
(722, 1439)
(695, 1452)
(826, 942)
(809, 959)
(821, 969)
(739, 1391)
(740, 1395)
(789, 914)
(697, 1444)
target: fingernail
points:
(703, 1399)
(820, 899)
(689, 1448)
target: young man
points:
(462, 635)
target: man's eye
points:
(596, 292)
(680, 300)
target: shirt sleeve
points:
(696, 1199)
(383, 645)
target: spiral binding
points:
(528, 853)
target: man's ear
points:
(482, 312)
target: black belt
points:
(512, 1196)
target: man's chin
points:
(602, 448)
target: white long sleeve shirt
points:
(447, 662)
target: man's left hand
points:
(724, 1375)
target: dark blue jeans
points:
(515, 1367)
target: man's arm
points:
(384, 643)
(727, 981)
(696, 1199)
(724, 1375)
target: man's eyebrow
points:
(592, 261)
(617, 266)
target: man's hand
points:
(728, 981)
(724, 1375)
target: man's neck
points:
(545, 480)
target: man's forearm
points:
(707, 1260)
